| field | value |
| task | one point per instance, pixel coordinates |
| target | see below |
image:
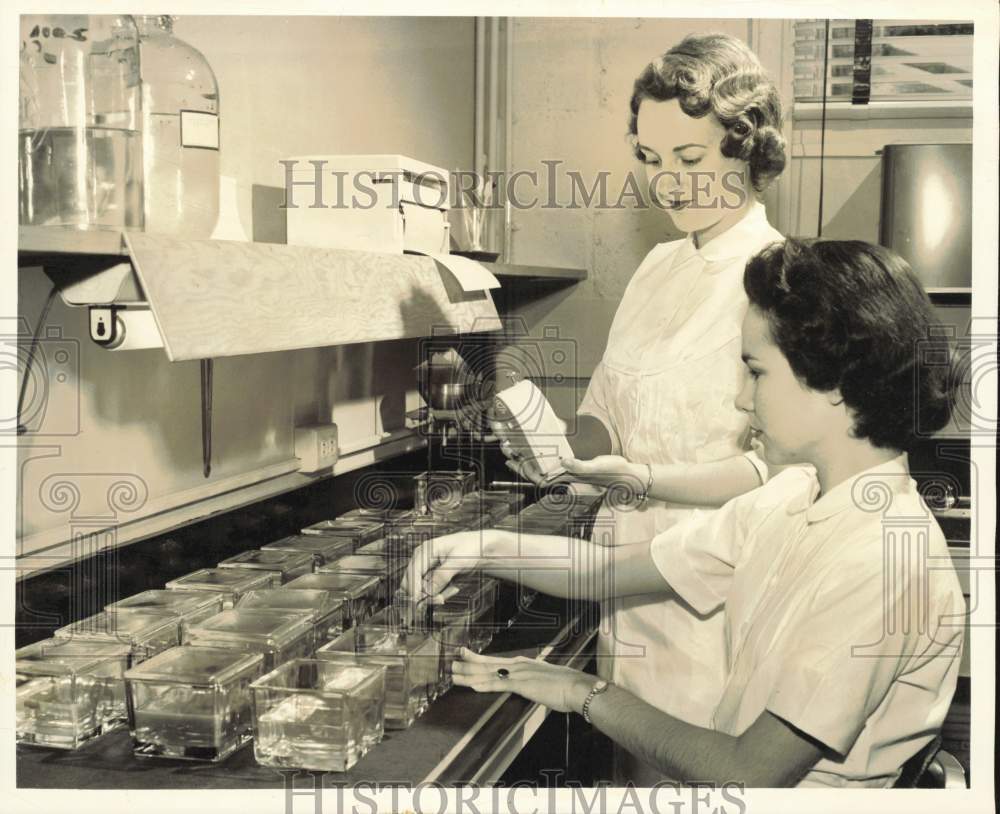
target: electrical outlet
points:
(316, 447)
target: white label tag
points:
(199, 130)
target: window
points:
(910, 60)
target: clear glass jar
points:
(358, 531)
(79, 119)
(325, 609)
(232, 583)
(70, 691)
(320, 715)
(323, 549)
(148, 633)
(279, 635)
(284, 565)
(180, 99)
(192, 703)
(361, 594)
(189, 606)
(412, 659)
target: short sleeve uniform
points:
(843, 616)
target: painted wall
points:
(288, 86)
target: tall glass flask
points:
(180, 99)
(79, 117)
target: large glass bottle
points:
(79, 114)
(180, 100)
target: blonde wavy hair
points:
(719, 74)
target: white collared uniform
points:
(665, 390)
(843, 617)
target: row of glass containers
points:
(241, 625)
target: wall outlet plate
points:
(316, 447)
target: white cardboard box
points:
(378, 203)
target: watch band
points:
(600, 686)
(644, 495)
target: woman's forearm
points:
(677, 749)
(768, 754)
(590, 439)
(568, 567)
(704, 484)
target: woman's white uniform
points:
(665, 390)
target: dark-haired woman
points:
(705, 123)
(843, 613)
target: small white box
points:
(532, 427)
(316, 447)
(375, 203)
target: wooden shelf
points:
(216, 298)
(502, 270)
(61, 240)
(52, 244)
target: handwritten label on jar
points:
(199, 130)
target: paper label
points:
(199, 130)
(472, 276)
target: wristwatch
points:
(600, 686)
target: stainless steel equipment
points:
(927, 210)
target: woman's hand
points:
(520, 459)
(559, 688)
(437, 562)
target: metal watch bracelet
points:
(644, 495)
(599, 686)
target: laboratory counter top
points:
(463, 737)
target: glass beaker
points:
(180, 115)
(79, 146)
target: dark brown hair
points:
(853, 317)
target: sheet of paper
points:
(472, 276)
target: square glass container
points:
(232, 583)
(513, 499)
(283, 565)
(358, 531)
(361, 594)
(412, 660)
(326, 610)
(419, 530)
(391, 550)
(494, 506)
(441, 490)
(397, 622)
(279, 635)
(389, 569)
(190, 606)
(379, 547)
(323, 549)
(476, 602)
(391, 517)
(192, 703)
(146, 632)
(319, 715)
(69, 691)
(452, 628)
(466, 516)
